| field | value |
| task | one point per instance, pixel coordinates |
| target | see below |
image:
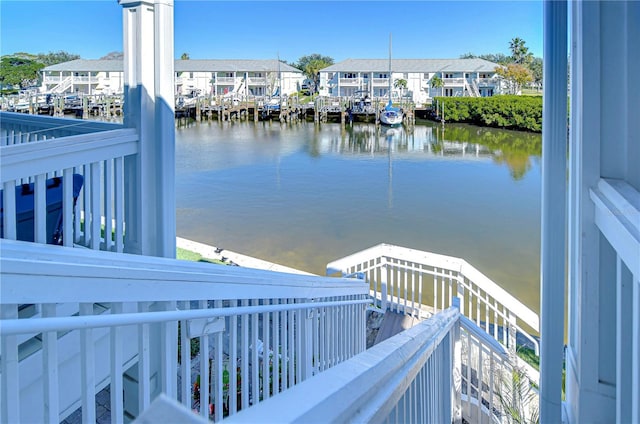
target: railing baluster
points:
(50, 368)
(284, 346)
(218, 374)
(244, 360)
(9, 205)
(67, 207)
(204, 369)
(96, 215)
(40, 209)
(77, 235)
(233, 360)
(185, 360)
(266, 346)
(293, 355)
(10, 405)
(108, 202)
(116, 360)
(276, 350)
(87, 364)
(118, 203)
(168, 343)
(144, 373)
(255, 365)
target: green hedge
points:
(513, 112)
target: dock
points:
(344, 110)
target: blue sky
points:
(209, 29)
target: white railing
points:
(617, 217)
(257, 81)
(453, 81)
(379, 81)
(349, 81)
(439, 371)
(263, 331)
(404, 280)
(225, 80)
(37, 151)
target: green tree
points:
(516, 76)
(184, 56)
(53, 58)
(19, 71)
(519, 51)
(400, 84)
(536, 70)
(312, 64)
(113, 56)
(436, 82)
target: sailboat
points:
(391, 116)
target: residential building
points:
(107, 307)
(84, 76)
(242, 77)
(204, 77)
(460, 77)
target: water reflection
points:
(423, 142)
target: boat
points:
(391, 116)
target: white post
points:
(554, 158)
(148, 78)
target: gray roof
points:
(208, 65)
(231, 65)
(91, 65)
(412, 65)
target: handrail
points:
(38, 325)
(367, 387)
(42, 124)
(285, 327)
(403, 277)
(83, 276)
(28, 159)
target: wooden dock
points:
(216, 108)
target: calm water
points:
(302, 195)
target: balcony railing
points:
(405, 279)
(453, 81)
(440, 371)
(34, 149)
(263, 331)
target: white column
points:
(554, 157)
(149, 107)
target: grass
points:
(531, 92)
(529, 356)
(187, 255)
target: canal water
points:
(303, 195)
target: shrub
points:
(513, 112)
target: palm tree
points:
(400, 84)
(519, 52)
(436, 82)
(184, 56)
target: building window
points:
(425, 75)
(348, 75)
(405, 75)
(448, 92)
(448, 75)
(190, 74)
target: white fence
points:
(404, 280)
(35, 149)
(439, 371)
(264, 331)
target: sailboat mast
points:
(389, 66)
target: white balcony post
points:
(148, 79)
(554, 158)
